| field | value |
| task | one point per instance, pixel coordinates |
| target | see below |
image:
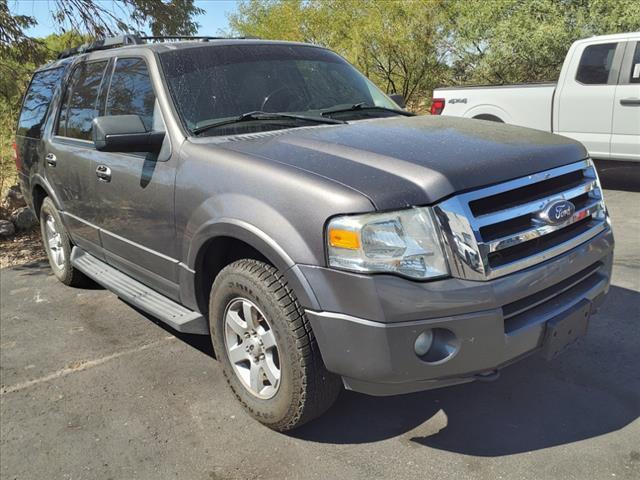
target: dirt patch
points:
(24, 247)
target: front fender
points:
(256, 238)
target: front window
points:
(213, 83)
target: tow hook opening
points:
(487, 376)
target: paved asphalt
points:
(91, 388)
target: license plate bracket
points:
(564, 330)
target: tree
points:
(78, 21)
(510, 41)
(393, 43)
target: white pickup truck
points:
(595, 101)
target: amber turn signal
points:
(344, 239)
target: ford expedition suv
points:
(268, 195)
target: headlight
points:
(405, 242)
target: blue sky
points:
(212, 22)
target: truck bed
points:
(527, 104)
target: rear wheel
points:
(58, 246)
(489, 117)
(266, 346)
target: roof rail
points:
(130, 39)
(102, 44)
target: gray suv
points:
(268, 195)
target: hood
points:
(406, 161)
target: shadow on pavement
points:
(590, 390)
(617, 175)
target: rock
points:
(13, 199)
(6, 229)
(24, 219)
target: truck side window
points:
(595, 64)
(36, 102)
(79, 104)
(635, 65)
(131, 92)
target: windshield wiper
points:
(364, 106)
(263, 116)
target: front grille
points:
(498, 230)
(530, 193)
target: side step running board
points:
(173, 314)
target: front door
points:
(133, 202)
(625, 138)
(585, 100)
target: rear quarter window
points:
(36, 102)
(595, 64)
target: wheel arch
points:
(485, 111)
(40, 189)
(219, 244)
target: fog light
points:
(423, 343)
(436, 345)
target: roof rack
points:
(129, 39)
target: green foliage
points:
(508, 41)
(79, 21)
(411, 46)
(394, 43)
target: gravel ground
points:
(92, 388)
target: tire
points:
(304, 389)
(488, 117)
(53, 233)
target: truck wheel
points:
(58, 246)
(489, 117)
(266, 346)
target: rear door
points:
(625, 138)
(585, 99)
(134, 209)
(70, 153)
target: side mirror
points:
(124, 133)
(399, 99)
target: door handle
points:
(629, 101)
(103, 173)
(51, 159)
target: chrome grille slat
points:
(533, 233)
(559, 249)
(524, 181)
(531, 207)
(515, 237)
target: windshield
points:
(212, 83)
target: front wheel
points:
(266, 346)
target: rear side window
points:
(36, 102)
(595, 64)
(131, 92)
(635, 66)
(79, 106)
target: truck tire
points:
(58, 246)
(268, 352)
(489, 117)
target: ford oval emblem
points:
(556, 212)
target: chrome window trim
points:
(468, 253)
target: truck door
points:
(585, 100)
(625, 138)
(69, 153)
(133, 205)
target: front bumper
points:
(367, 325)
